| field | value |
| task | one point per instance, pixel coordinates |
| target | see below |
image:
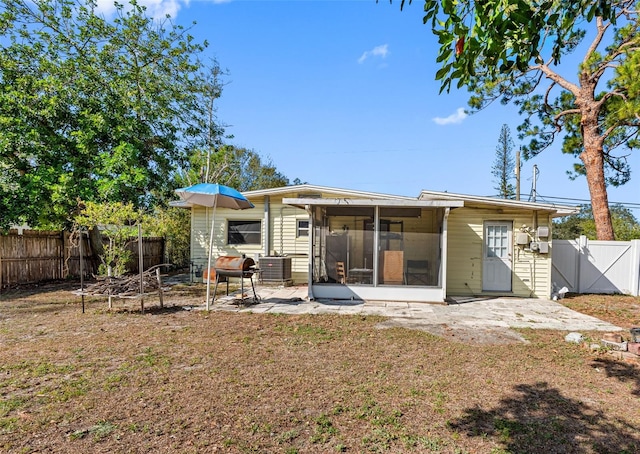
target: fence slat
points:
(36, 256)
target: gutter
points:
(267, 225)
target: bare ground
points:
(174, 380)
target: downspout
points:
(281, 250)
(267, 225)
(445, 254)
(312, 230)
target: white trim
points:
(378, 293)
(325, 189)
(442, 278)
(413, 203)
(558, 210)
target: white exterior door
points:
(496, 262)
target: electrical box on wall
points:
(541, 247)
(522, 238)
(543, 231)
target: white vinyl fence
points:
(585, 266)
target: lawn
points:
(174, 380)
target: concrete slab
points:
(467, 317)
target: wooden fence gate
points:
(584, 266)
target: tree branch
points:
(557, 78)
(597, 40)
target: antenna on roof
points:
(518, 175)
(533, 184)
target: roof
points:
(306, 191)
(425, 199)
(388, 202)
(470, 200)
(302, 188)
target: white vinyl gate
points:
(585, 266)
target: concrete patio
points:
(469, 313)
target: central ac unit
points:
(275, 269)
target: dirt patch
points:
(621, 310)
(457, 333)
(189, 381)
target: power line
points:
(634, 205)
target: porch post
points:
(376, 244)
(445, 254)
(312, 235)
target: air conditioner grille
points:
(275, 268)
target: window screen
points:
(243, 232)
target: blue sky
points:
(342, 93)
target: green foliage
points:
(504, 165)
(172, 224)
(240, 168)
(510, 51)
(497, 37)
(119, 223)
(625, 225)
(95, 110)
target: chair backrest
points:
(417, 272)
(417, 265)
(340, 271)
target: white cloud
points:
(452, 119)
(105, 7)
(378, 51)
(157, 9)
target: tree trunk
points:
(593, 160)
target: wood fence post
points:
(159, 287)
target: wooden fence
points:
(35, 256)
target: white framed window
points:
(302, 230)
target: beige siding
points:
(531, 271)
(283, 238)
(201, 230)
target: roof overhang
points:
(338, 192)
(471, 200)
(180, 204)
(304, 202)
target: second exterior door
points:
(497, 257)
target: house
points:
(364, 245)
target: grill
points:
(239, 267)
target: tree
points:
(94, 109)
(504, 165)
(240, 168)
(118, 222)
(511, 51)
(625, 225)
